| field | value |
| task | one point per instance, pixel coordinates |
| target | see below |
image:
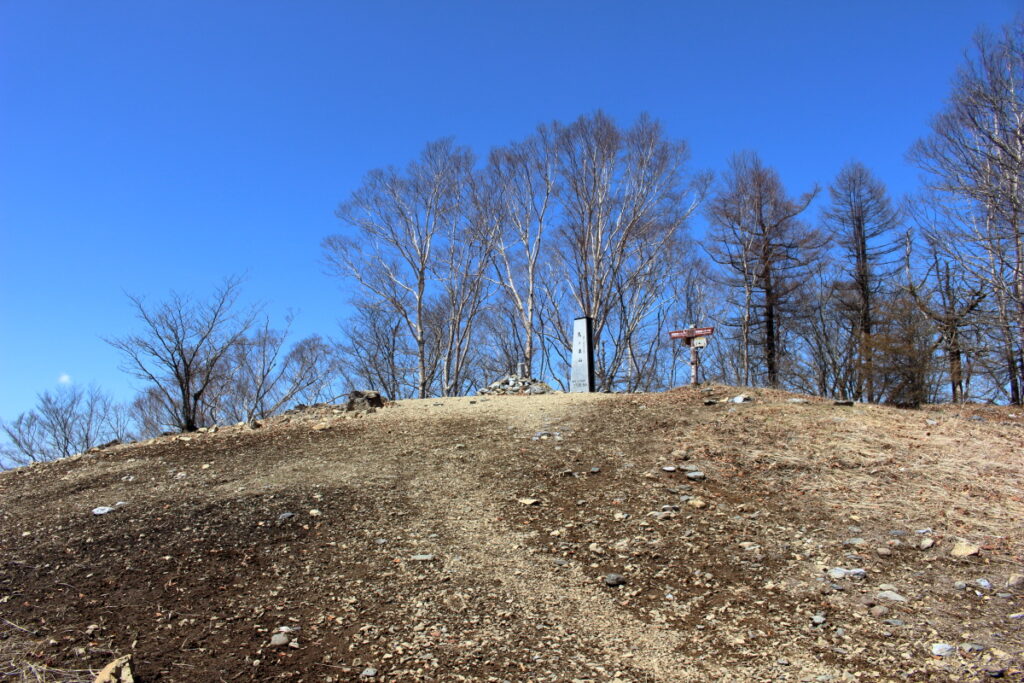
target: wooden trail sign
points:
(695, 338)
(692, 332)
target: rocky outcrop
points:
(516, 385)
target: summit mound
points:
(643, 537)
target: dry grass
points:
(939, 467)
(19, 660)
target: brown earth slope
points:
(471, 539)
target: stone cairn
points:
(516, 384)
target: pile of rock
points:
(515, 385)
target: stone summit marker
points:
(581, 380)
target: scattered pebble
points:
(615, 580)
(838, 573)
(891, 596)
(963, 549)
(943, 649)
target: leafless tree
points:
(183, 349)
(64, 422)
(624, 197)
(862, 221)
(518, 196)
(400, 218)
(263, 378)
(950, 302)
(974, 161)
(828, 333)
(764, 249)
(374, 352)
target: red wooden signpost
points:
(692, 332)
(695, 338)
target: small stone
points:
(595, 470)
(102, 510)
(972, 647)
(180, 475)
(963, 549)
(879, 611)
(855, 542)
(943, 649)
(529, 501)
(818, 619)
(596, 549)
(960, 585)
(422, 558)
(926, 543)
(368, 672)
(883, 552)
(697, 503)
(893, 622)
(891, 596)
(838, 573)
(615, 580)
(742, 398)
(380, 541)
(280, 639)
(668, 468)
(1015, 581)
(695, 476)
(798, 401)
(285, 516)
(984, 584)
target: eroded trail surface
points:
(563, 537)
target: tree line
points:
(461, 268)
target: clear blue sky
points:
(153, 145)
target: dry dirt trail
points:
(570, 603)
(471, 538)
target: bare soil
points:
(470, 539)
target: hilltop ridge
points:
(549, 537)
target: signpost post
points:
(695, 338)
(581, 379)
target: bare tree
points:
(183, 349)
(64, 422)
(624, 198)
(765, 250)
(974, 158)
(400, 218)
(375, 351)
(949, 302)
(518, 195)
(862, 221)
(263, 378)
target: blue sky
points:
(150, 146)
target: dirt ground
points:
(476, 538)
